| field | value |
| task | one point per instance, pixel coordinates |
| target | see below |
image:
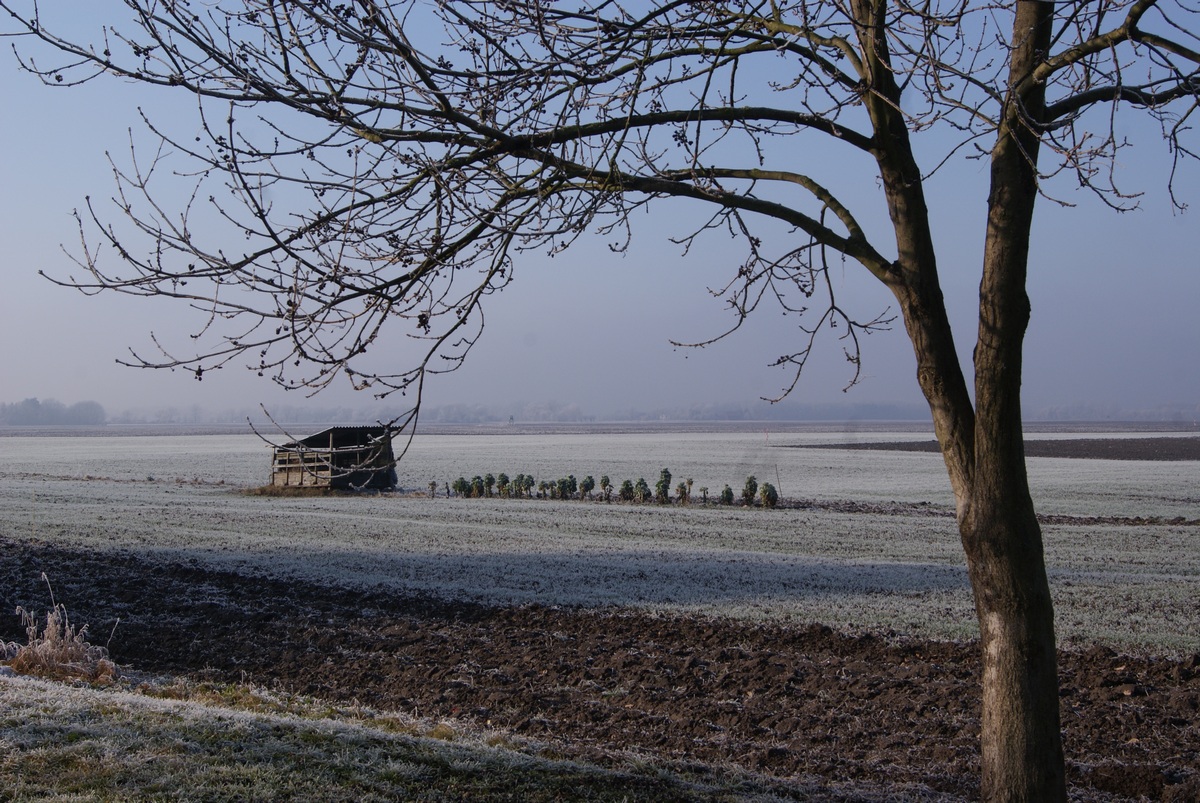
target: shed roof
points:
(341, 438)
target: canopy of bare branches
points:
(387, 163)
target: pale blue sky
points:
(1115, 297)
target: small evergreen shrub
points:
(641, 490)
(662, 488)
(749, 490)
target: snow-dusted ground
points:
(178, 498)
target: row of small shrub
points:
(526, 487)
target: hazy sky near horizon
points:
(1115, 296)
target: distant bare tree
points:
(386, 162)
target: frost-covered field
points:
(177, 498)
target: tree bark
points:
(982, 444)
(1022, 757)
(914, 278)
(1021, 746)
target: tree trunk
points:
(1021, 741)
(1022, 756)
(983, 445)
(1021, 738)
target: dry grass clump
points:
(291, 490)
(58, 651)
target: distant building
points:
(338, 457)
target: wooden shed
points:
(338, 457)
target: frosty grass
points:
(177, 498)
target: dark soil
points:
(775, 699)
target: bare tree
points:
(386, 163)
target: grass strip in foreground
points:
(82, 743)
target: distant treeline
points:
(547, 412)
(32, 412)
(1181, 412)
(523, 412)
(784, 411)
